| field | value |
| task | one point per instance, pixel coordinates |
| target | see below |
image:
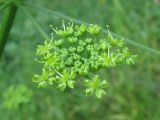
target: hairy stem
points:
(6, 23)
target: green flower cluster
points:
(16, 96)
(76, 52)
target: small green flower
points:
(44, 49)
(79, 30)
(72, 39)
(62, 86)
(94, 29)
(58, 42)
(96, 85)
(131, 59)
(42, 84)
(66, 80)
(66, 30)
(80, 49)
(72, 49)
(69, 61)
(88, 40)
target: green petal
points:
(42, 84)
(100, 93)
(62, 86)
(70, 84)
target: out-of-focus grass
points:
(134, 91)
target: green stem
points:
(7, 23)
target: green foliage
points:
(76, 52)
(16, 96)
(134, 90)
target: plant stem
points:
(7, 23)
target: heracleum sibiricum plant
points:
(79, 52)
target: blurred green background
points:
(134, 92)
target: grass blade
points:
(44, 35)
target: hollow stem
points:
(6, 25)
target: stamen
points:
(108, 29)
(63, 25)
(55, 30)
(72, 24)
(51, 36)
(58, 73)
(108, 52)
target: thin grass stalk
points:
(6, 25)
